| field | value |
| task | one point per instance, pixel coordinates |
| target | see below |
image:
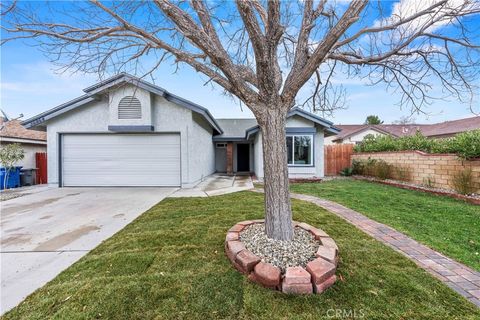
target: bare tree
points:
(264, 52)
(405, 120)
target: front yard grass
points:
(447, 225)
(170, 264)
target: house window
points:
(129, 108)
(300, 150)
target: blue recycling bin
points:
(13, 179)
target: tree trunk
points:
(278, 211)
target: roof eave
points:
(196, 108)
(23, 140)
(124, 78)
(58, 110)
(114, 81)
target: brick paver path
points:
(457, 276)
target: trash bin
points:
(13, 179)
(27, 177)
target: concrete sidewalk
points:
(217, 184)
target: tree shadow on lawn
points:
(170, 263)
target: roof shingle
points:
(14, 129)
(399, 130)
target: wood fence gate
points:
(41, 164)
(337, 157)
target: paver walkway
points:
(457, 276)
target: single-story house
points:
(354, 133)
(31, 141)
(125, 131)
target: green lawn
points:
(447, 225)
(170, 263)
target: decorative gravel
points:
(5, 195)
(282, 254)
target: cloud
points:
(406, 8)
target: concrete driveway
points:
(44, 232)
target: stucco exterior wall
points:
(197, 150)
(201, 149)
(297, 121)
(295, 172)
(258, 155)
(129, 90)
(28, 162)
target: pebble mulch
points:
(4, 196)
(282, 254)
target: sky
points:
(30, 85)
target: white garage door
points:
(120, 160)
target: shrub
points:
(466, 144)
(346, 172)
(383, 170)
(429, 182)
(358, 167)
(374, 168)
(463, 181)
(372, 143)
(403, 173)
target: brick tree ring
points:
(318, 275)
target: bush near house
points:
(380, 169)
(466, 144)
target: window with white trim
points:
(300, 150)
(129, 107)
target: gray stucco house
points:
(125, 131)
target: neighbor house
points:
(356, 132)
(31, 141)
(125, 131)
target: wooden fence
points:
(41, 164)
(337, 157)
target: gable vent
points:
(129, 108)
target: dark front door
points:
(243, 157)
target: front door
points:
(243, 157)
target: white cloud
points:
(406, 8)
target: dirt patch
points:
(65, 238)
(18, 238)
(34, 205)
(28, 206)
(242, 181)
(13, 230)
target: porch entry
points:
(243, 157)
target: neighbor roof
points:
(400, 130)
(452, 127)
(118, 80)
(14, 129)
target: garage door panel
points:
(114, 181)
(121, 160)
